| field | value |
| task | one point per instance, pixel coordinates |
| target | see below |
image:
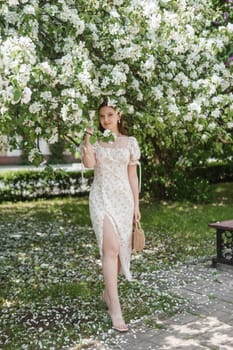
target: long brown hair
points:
(120, 125)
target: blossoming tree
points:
(161, 62)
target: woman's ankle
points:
(115, 308)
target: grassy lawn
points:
(50, 273)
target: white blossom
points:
(46, 68)
(46, 95)
(114, 13)
(149, 64)
(174, 109)
(85, 78)
(204, 137)
(212, 126)
(26, 97)
(188, 117)
(195, 107)
(38, 130)
(154, 21)
(13, 2)
(140, 96)
(64, 112)
(118, 75)
(131, 109)
(118, 2)
(216, 113)
(112, 102)
(172, 65)
(230, 27)
(135, 84)
(32, 154)
(106, 133)
(3, 110)
(92, 114)
(77, 116)
(115, 29)
(54, 137)
(35, 107)
(69, 92)
(29, 10)
(199, 127)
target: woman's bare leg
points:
(110, 265)
(105, 294)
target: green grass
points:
(50, 274)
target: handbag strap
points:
(82, 173)
(140, 177)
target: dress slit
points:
(123, 269)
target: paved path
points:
(206, 321)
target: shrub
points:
(30, 184)
(216, 172)
(188, 184)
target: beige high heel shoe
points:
(123, 329)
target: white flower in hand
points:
(106, 133)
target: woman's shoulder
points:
(132, 139)
(133, 144)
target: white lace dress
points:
(111, 194)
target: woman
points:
(113, 202)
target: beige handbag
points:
(138, 239)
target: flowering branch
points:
(106, 136)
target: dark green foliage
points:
(57, 153)
(191, 184)
(215, 172)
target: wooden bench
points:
(224, 242)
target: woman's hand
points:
(88, 154)
(89, 131)
(137, 214)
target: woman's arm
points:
(133, 180)
(88, 154)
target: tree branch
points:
(224, 141)
(69, 138)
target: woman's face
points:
(108, 118)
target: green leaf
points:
(93, 139)
(17, 95)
